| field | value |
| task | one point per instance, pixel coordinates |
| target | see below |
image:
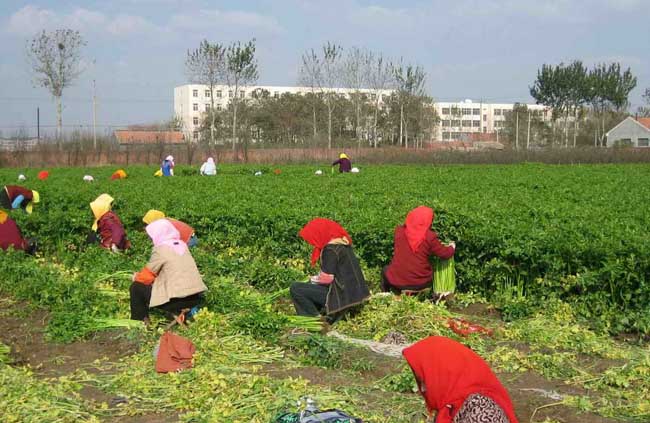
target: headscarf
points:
(152, 215)
(100, 207)
(418, 222)
(450, 372)
(43, 175)
(3, 216)
(170, 158)
(319, 232)
(162, 232)
(36, 197)
(210, 160)
(21, 177)
(343, 156)
(119, 174)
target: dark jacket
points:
(345, 165)
(349, 287)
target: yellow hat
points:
(100, 207)
(3, 216)
(36, 197)
(343, 156)
(152, 216)
(158, 173)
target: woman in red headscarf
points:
(415, 242)
(457, 384)
(340, 283)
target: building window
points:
(485, 129)
(455, 123)
(207, 93)
(643, 142)
(476, 123)
(476, 112)
(445, 110)
(207, 107)
(218, 93)
(467, 111)
(446, 123)
(195, 135)
(497, 112)
(242, 94)
(195, 120)
(467, 124)
(219, 107)
(195, 93)
(445, 135)
(484, 118)
(195, 107)
(230, 94)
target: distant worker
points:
(119, 174)
(344, 162)
(11, 237)
(209, 168)
(107, 227)
(22, 177)
(170, 281)
(457, 384)
(13, 197)
(340, 283)
(43, 175)
(414, 243)
(186, 231)
(167, 166)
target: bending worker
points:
(14, 197)
(344, 162)
(186, 232)
(209, 168)
(170, 281)
(457, 385)
(11, 237)
(167, 166)
(340, 283)
(107, 226)
(414, 243)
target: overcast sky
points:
(475, 49)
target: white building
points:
(630, 133)
(191, 101)
(457, 120)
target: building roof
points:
(148, 137)
(644, 121)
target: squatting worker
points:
(209, 168)
(167, 166)
(107, 226)
(414, 243)
(14, 197)
(11, 237)
(340, 283)
(170, 281)
(187, 233)
(344, 162)
(118, 174)
(457, 384)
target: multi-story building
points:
(191, 101)
(458, 120)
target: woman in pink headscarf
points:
(415, 242)
(170, 281)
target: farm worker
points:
(170, 281)
(119, 174)
(14, 197)
(108, 225)
(11, 237)
(21, 177)
(187, 233)
(457, 384)
(414, 243)
(345, 165)
(209, 168)
(88, 178)
(43, 175)
(167, 166)
(340, 283)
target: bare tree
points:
(355, 70)
(309, 76)
(240, 71)
(205, 65)
(410, 90)
(55, 58)
(380, 78)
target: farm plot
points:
(553, 257)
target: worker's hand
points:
(453, 244)
(133, 277)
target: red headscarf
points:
(43, 175)
(418, 222)
(450, 372)
(319, 232)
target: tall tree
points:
(410, 82)
(644, 111)
(205, 65)
(240, 70)
(310, 74)
(380, 78)
(355, 73)
(55, 58)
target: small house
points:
(630, 133)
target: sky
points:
(470, 49)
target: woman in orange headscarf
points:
(340, 283)
(457, 384)
(415, 242)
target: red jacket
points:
(111, 231)
(14, 191)
(10, 235)
(414, 269)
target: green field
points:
(556, 255)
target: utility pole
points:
(528, 136)
(94, 117)
(517, 133)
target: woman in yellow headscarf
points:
(344, 162)
(107, 227)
